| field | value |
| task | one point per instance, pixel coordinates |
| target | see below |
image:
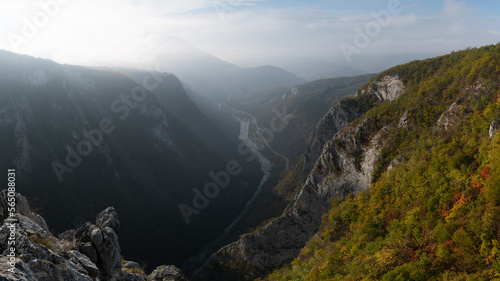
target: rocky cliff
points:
(340, 159)
(91, 252)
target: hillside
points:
(400, 181)
(83, 139)
(302, 106)
(290, 114)
(431, 211)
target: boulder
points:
(167, 273)
(108, 217)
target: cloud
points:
(454, 9)
(248, 32)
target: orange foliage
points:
(485, 172)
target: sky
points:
(243, 32)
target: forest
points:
(432, 211)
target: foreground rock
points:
(90, 253)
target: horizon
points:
(135, 33)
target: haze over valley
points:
(249, 140)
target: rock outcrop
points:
(334, 120)
(494, 127)
(39, 255)
(337, 163)
(100, 243)
(449, 117)
(167, 273)
(90, 253)
(388, 88)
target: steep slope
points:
(431, 212)
(293, 112)
(420, 137)
(344, 165)
(83, 139)
(173, 97)
(282, 119)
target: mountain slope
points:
(418, 134)
(431, 212)
(298, 109)
(170, 92)
(282, 119)
(83, 139)
(315, 70)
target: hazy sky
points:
(244, 32)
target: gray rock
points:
(494, 127)
(96, 237)
(68, 235)
(131, 265)
(132, 277)
(403, 122)
(22, 208)
(167, 273)
(101, 245)
(339, 116)
(109, 261)
(21, 271)
(38, 250)
(87, 264)
(88, 249)
(449, 118)
(131, 271)
(83, 241)
(334, 120)
(108, 217)
(389, 88)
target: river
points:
(265, 166)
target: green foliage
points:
(436, 214)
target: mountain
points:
(373, 63)
(174, 98)
(400, 182)
(213, 78)
(315, 70)
(83, 139)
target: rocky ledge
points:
(91, 252)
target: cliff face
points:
(90, 253)
(334, 120)
(338, 162)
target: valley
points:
(148, 140)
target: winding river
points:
(265, 166)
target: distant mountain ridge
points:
(214, 78)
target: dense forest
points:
(432, 211)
